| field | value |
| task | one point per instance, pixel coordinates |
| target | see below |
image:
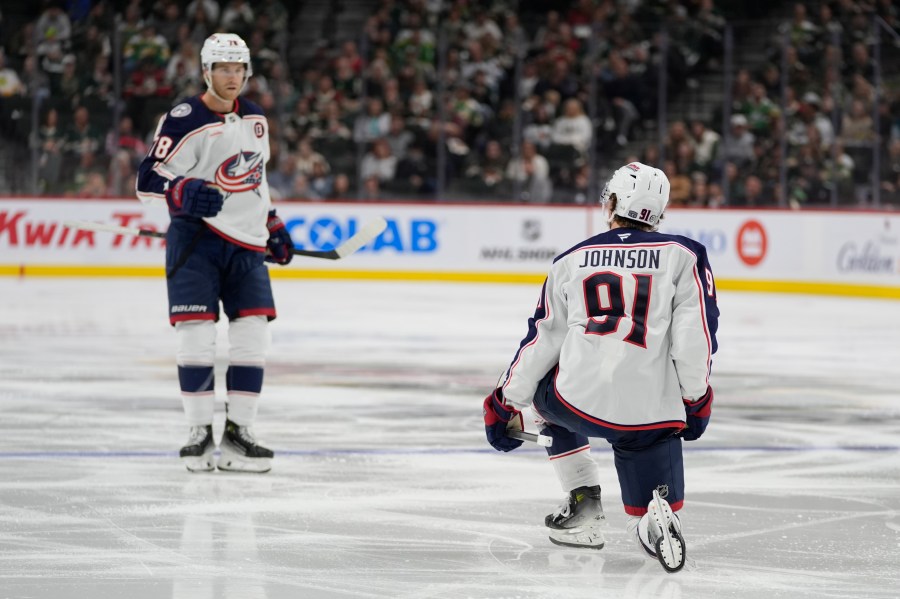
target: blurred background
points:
(742, 103)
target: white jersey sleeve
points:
(539, 350)
(692, 340)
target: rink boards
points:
(839, 253)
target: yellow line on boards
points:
(760, 286)
(844, 289)
(76, 270)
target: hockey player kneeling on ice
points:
(207, 164)
(620, 348)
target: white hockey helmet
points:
(642, 193)
(224, 47)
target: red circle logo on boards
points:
(751, 243)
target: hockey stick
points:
(542, 440)
(134, 231)
(366, 233)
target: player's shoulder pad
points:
(187, 115)
(572, 249)
(247, 107)
(693, 245)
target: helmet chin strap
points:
(212, 92)
(209, 87)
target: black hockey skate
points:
(197, 454)
(241, 453)
(579, 520)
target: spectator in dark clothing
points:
(559, 79)
(623, 91)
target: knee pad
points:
(196, 343)
(249, 339)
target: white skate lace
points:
(563, 511)
(246, 434)
(197, 435)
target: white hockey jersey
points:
(630, 318)
(230, 150)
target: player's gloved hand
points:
(698, 412)
(498, 417)
(193, 197)
(279, 248)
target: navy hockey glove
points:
(193, 197)
(498, 417)
(280, 247)
(698, 413)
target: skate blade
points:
(201, 463)
(586, 537)
(670, 547)
(670, 550)
(231, 462)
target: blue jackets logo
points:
(402, 236)
(241, 172)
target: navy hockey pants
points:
(645, 459)
(203, 268)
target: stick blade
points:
(84, 225)
(369, 231)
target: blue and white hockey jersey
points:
(230, 150)
(630, 317)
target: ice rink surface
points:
(383, 484)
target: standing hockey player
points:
(207, 163)
(620, 347)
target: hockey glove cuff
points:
(280, 247)
(193, 197)
(498, 417)
(697, 413)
